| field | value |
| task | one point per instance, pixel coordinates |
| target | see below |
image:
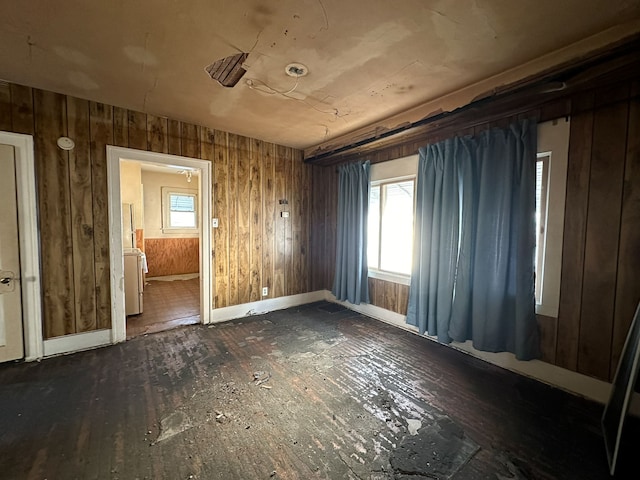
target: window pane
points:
(182, 203)
(542, 178)
(373, 233)
(397, 227)
(183, 219)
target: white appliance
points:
(128, 226)
(135, 265)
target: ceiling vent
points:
(228, 71)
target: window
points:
(542, 183)
(390, 234)
(551, 182)
(180, 210)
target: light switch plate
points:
(214, 223)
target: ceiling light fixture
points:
(296, 70)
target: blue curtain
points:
(474, 240)
(350, 281)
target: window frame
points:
(376, 272)
(166, 210)
(553, 142)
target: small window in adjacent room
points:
(179, 208)
(551, 182)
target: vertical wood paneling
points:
(174, 146)
(628, 275)
(157, 134)
(295, 221)
(22, 112)
(5, 107)
(84, 279)
(120, 127)
(190, 141)
(221, 209)
(243, 202)
(269, 217)
(391, 296)
(55, 216)
(279, 274)
(205, 148)
(577, 196)
(101, 128)
(331, 222)
(256, 220)
(172, 256)
(601, 247)
(318, 228)
(288, 224)
(403, 299)
(137, 129)
(372, 290)
(72, 191)
(306, 211)
(548, 338)
(232, 209)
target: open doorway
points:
(160, 239)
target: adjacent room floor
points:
(310, 392)
(167, 304)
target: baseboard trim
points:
(76, 342)
(559, 377)
(264, 306)
(171, 278)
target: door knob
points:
(5, 280)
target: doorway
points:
(161, 301)
(20, 307)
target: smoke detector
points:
(296, 70)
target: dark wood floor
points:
(297, 394)
(167, 305)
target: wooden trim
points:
(264, 306)
(115, 229)
(76, 342)
(30, 282)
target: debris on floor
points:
(172, 425)
(437, 450)
(261, 377)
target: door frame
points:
(114, 155)
(28, 242)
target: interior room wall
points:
(131, 189)
(600, 281)
(254, 246)
(167, 253)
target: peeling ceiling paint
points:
(368, 60)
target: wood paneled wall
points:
(600, 276)
(600, 284)
(172, 256)
(253, 182)
(256, 244)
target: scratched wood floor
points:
(184, 404)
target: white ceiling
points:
(367, 59)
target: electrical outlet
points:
(265, 291)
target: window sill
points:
(546, 310)
(390, 277)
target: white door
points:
(11, 346)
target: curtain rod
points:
(552, 87)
